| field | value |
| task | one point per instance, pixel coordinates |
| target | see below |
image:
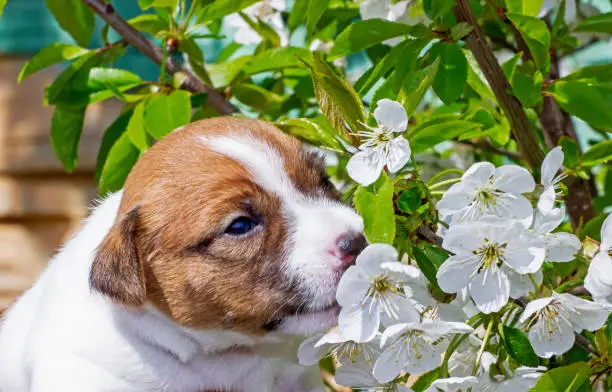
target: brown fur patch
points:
(186, 196)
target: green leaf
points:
(263, 29)
(601, 23)
(162, 4)
(364, 34)
(164, 113)
(536, 35)
(382, 67)
(518, 347)
(564, 379)
(315, 10)
(415, 86)
(66, 128)
(75, 17)
(428, 136)
(220, 8)
(339, 102)
(225, 73)
(570, 150)
(257, 97)
(601, 73)
(460, 31)
(598, 154)
(111, 135)
(427, 267)
(52, 54)
(195, 58)
(375, 204)
(2, 4)
(526, 84)
(524, 7)
(424, 381)
(136, 130)
(315, 132)
(452, 72)
(82, 64)
(437, 8)
(94, 85)
(277, 58)
(584, 99)
(298, 14)
(121, 158)
(149, 23)
(409, 200)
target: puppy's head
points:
(229, 224)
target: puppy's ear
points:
(117, 270)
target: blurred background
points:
(40, 203)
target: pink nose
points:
(349, 245)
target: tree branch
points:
(153, 52)
(528, 144)
(487, 146)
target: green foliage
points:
(584, 99)
(451, 76)
(375, 204)
(536, 36)
(524, 7)
(425, 380)
(66, 129)
(75, 17)
(313, 131)
(314, 11)
(364, 34)
(52, 54)
(165, 113)
(599, 153)
(572, 378)
(219, 8)
(517, 345)
(601, 23)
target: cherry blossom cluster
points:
(499, 230)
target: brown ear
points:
(116, 270)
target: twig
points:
(528, 144)
(107, 12)
(429, 235)
(487, 146)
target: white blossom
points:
(551, 175)
(334, 344)
(486, 190)
(599, 276)
(381, 147)
(414, 347)
(268, 11)
(483, 256)
(453, 384)
(374, 290)
(461, 363)
(551, 322)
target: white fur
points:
(314, 222)
(60, 336)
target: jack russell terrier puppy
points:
(227, 242)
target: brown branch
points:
(521, 130)
(191, 83)
(429, 235)
(555, 124)
(487, 146)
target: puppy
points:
(227, 242)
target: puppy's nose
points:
(349, 245)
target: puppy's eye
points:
(241, 225)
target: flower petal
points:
(454, 200)
(490, 290)
(606, 234)
(561, 247)
(370, 260)
(352, 288)
(453, 384)
(599, 276)
(392, 333)
(454, 274)
(390, 363)
(391, 115)
(359, 323)
(548, 341)
(524, 256)
(373, 9)
(551, 165)
(308, 354)
(464, 238)
(546, 202)
(521, 285)
(546, 221)
(513, 179)
(365, 166)
(587, 315)
(398, 154)
(512, 206)
(479, 173)
(533, 307)
(355, 376)
(405, 311)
